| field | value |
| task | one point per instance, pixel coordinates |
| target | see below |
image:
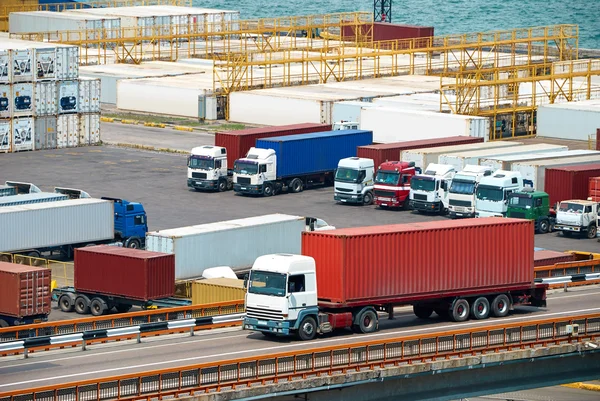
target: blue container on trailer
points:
(318, 152)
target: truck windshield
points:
(267, 283)
(523, 202)
(568, 207)
(387, 177)
(422, 184)
(485, 192)
(245, 167)
(462, 187)
(346, 175)
(201, 162)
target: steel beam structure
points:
(382, 10)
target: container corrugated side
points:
(67, 131)
(391, 151)
(548, 258)
(506, 162)
(24, 290)
(45, 98)
(316, 152)
(89, 95)
(67, 62)
(238, 143)
(396, 267)
(569, 182)
(214, 290)
(566, 121)
(89, 129)
(594, 189)
(534, 172)
(54, 224)
(197, 248)
(45, 132)
(124, 272)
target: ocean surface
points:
(446, 16)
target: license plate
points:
(244, 188)
(37, 321)
(197, 183)
(459, 214)
(343, 200)
(262, 322)
(384, 204)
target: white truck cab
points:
(207, 169)
(429, 191)
(354, 181)
(493, 190)
(578, 216)
(252, 172)
(344, 125)
(461, 195)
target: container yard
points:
(534, 172)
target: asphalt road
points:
(556, 393)
(115, 359)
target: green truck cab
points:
(532, 205)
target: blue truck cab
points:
(131, 224)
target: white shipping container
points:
(21, 64)
(4, 66)
(45, 132)
(460, 160)
(573, 120)
(68, 96)
(45, 98)
(396, 125)
(67, 62)
(424, 156)
(5, 135)
(89, 129)
(45, 62)
(349, 110)
(50, 224)
(67, 131)
(23, 134)
(227, 243)
(534, 173)
(22, 97)
(89, 95)
(506, 162)
(6, 103)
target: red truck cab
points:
(392, 183)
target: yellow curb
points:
(182, 128)
(155, 125)
(146, 147)
(583, 386)
(129, 122)
(107, 119)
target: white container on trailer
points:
(5, 135)
(234, 243)
(424, 156)
(45, 99)
(460, 160)
(45, 132)
(89, 129)
(534, 173)
(68, 96)
(572, 120)
(42, 225)
(506, 162)
(23, 137)
(22, 99)
(6, 101)
(89, 95)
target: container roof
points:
(30, 197)
(122, 251)
(580, 167)
(312, 135)
(548, 254)
(19, 268)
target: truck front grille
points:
(463, 203)
(198, 175)
(420, 197)
(243, 180)
(264, 314)
(343, 189)
(384, 194)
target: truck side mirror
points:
(246, 277)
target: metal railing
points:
(299, 365)
(62, 272)
(569, 269)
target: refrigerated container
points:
(45, 63)
(24, 294)
(6, 101)
(68, 96)
(23, 137)
(5, 66)
(569, 182)
(213, 290)
(226, 243)
(67, 62)
(89, 129)
(89, 95)
(349, 110)
(5, 135)
(506, 162)
(67, 131)
(22, 99)
(45, 103)
(45, 131)
(570, 120)
(21, 64)
(534, 172)
(547, 257)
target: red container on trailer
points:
(419, 260)
(124, 272)
(549, 258)
(594, 189)
(569, 182)
(238, 143)
(24, 290)
(391, 151)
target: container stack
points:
(595, 189)
(43, 103)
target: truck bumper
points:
(347, 198)
(425, 206)
(489, 214)
(564, 227)
(461, 212)
(267, 326)
(248, 189)
(208, 185)
(387, 202)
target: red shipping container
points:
(383, 31)
(569, 182)
(549, 258)
(24, 290)
(238, 143)
(594, 189)
(404, 262)
(391, 151)
(124, 272)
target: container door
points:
(23, 134)
(40, 133)
(5, 101)
(5, 136)
(73, 130)
(45, 98)
(45, 60)
(5, 66)
(89, 129)
(22, 60)
(61, 132)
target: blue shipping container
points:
(313, 153)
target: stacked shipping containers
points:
(41, 100)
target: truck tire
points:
(422, 312)
(368, 199)
(98, 307)
(368, 321)
(222, 186)
(296, 185)
(82, 305)
(544, 226)
(66, 303)
(500, 305)
(268, 190)
(591, 232)
(308, 329)
(3, 324)
(123, 308)
(460, 310)
(480, 309)
(133, 243)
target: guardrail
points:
(580, 273)
(298, 365)
(120, 320)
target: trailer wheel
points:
(3, 324)
(268, 190)
(66, 303)
(296, 185)
(122, 308)
(368, 322)
(82, 305)
(500, 305)
(460, 310)
(422, 312)
(222, 185)
(98, 307)
(544, 226)
(480, 309)
(591, 233)
(308, 329)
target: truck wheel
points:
(480, 309)
(368, 322)
(133, 243)
(98, 307)
(591, 233)
(3, 324)
(82, 305)
(122, 308)
(229, 185)
(422, 312)
(296, 185)
(460, 310)
(66, 303)
(308, 329)
(268, 190)
(368, 199)
(222, 186)
(544, 226)
(500, 305)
